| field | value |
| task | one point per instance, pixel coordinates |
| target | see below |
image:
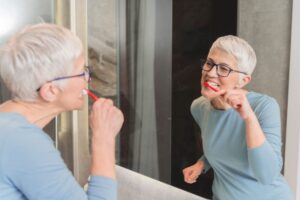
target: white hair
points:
(37, 54)
(239, 49)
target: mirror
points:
(145, 56)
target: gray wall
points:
(266, 25)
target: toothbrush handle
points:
(94, 97)
(209, 86)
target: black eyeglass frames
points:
(86, 74)
(223, 70)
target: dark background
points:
(196, 24)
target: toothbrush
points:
(92, 95)
(206, 84)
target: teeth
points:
(213, 84)
(84, 92)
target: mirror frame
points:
(292, 149)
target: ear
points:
(244, 81)
(49, 92)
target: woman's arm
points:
(35, 168)
(106, 121)
(263, 134)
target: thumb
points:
(221, 92)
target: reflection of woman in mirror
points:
(241, 129)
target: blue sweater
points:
(241, 173)
(31, 167)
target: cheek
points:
(229, 82)
(74, 92)
(202, 79)
(74, 102)
(77, 86)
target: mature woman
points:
(43, 67)
(240, 129)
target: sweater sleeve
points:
(197, 115)
(266, 160)
(107, 186)
(196, 110)
(206, 164)
(38, 171)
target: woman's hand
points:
(237, 99)
(105, 120)
(192, 172)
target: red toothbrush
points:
(92, 95)
(206, 84)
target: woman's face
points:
(218, 56)
(71, 97)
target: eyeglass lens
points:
(222, 70)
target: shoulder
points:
(17, 131)
(30, 142)
(23, 142)
(260, 101)
(199, 102)
(198, 108)
(265, 107)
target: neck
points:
(38, 113)
(219, 104)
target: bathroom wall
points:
(266, 25)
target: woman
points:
(43, 67)
(240, 129)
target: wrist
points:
(99, 137)
(250, 117)
(200, 163)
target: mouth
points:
(212, 85)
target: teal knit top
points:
(32, 168)
(241, 173)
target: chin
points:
(79, 107)
(209, 94)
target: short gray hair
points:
(35, 55)
(239, 49)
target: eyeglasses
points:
(223, 70)
(86, 74)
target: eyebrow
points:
(212, 60)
